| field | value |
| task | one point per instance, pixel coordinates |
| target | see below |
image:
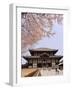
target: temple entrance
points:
(39, 65)
(49, 64)
(44, 63)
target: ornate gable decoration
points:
(44, 55)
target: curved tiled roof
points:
(55, 56)
(43, 49)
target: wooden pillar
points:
(42, 62)
(32, 63)
(47, 62)
(56, 63)
(35, 63)
(53, 64)
(28, 63)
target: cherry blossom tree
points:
(36, 25)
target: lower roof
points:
(38, 57)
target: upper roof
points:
(43, 49)
(47, 50)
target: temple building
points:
(43, 58)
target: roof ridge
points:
(42, 49)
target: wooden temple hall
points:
(43, 58)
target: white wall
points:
(4, 41)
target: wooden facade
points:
(43, 58)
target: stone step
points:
(49, 72)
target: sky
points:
(53, 42)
